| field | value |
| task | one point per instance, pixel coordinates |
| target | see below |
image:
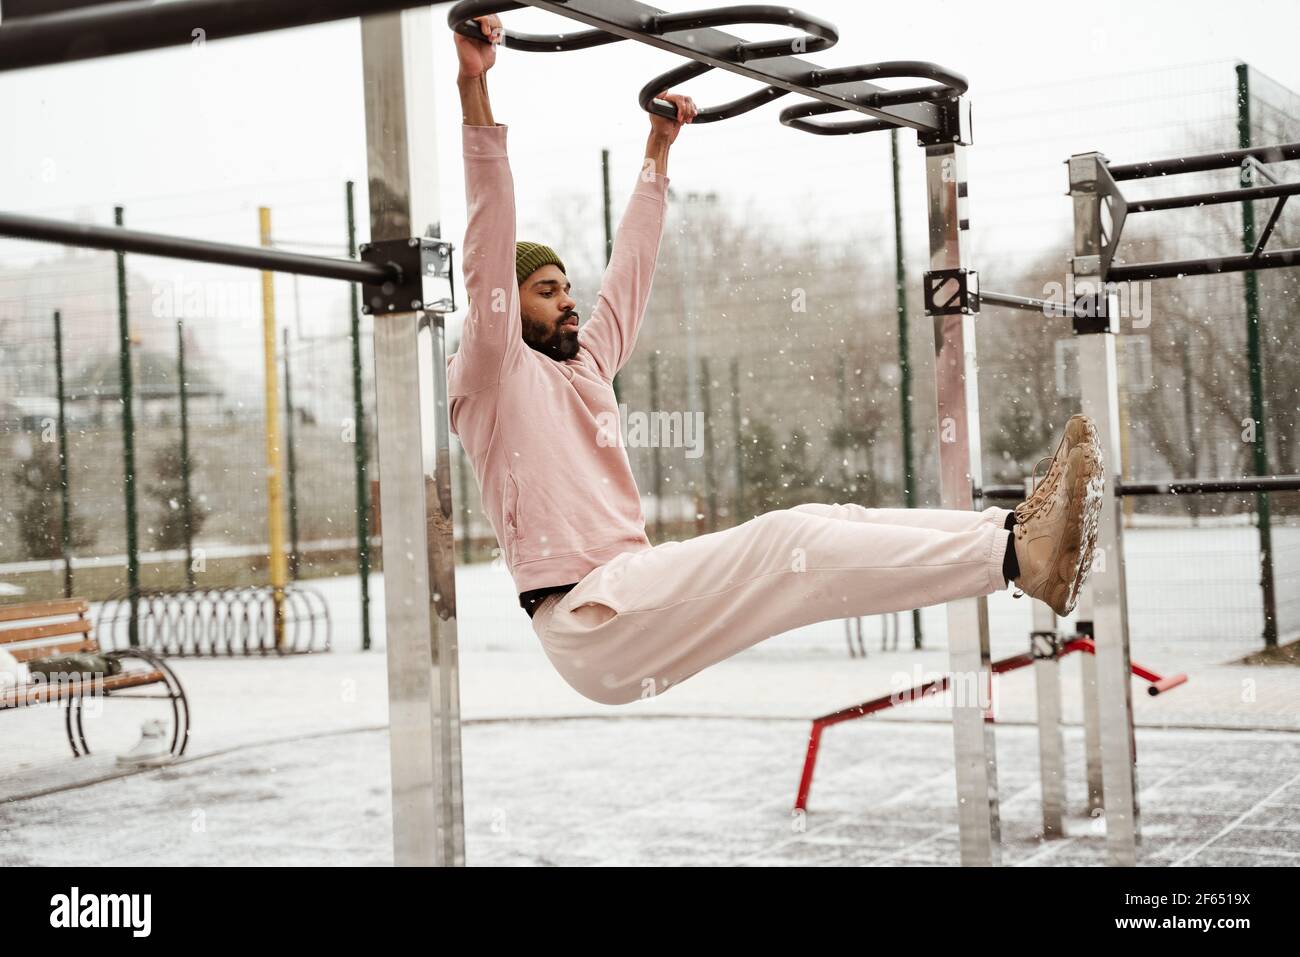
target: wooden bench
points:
(41, 630)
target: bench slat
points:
(44, 609)
(74, 626)
(50, 651)
(27, 694)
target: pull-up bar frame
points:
(413, 438)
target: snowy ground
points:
(684, 791)
(288, 761)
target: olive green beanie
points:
(530, 257)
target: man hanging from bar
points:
(531, 393)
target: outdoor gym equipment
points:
(397, 49)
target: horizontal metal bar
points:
(131, 27)
(1044, 306)
(1275, 483)
(1241, 195)
(1204, 267)
(637, 21)
(198, 250)
(1001, 493)
(1205, 161)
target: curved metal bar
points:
(78, 711)
(712, 114)
(294, 623)
(819, 34)
(175, 691)
(793, 117)
(73, 725)
(461, 19)
(323, 615)
(949, 84)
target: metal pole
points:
(88, 236)
(738, 505)
(609, 210)
(126, 394)
(1045, 644)
(842, 400)
(904, 356)
(655, 459)
(415, 493)
(1216, 265)
(1255, 356)
(710, 483)
(1099, 388)
(687, 272)
(65, 529)
(462, 481)
(959, 467)
(608, 214)
(1091, 719)
(291, 461)
(1189, 419)
(108, 29)
(1224, 159)
(187, 502)
(1196, 200)
(360, 456)
(274, 470)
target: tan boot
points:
(1054, 544)
(1078, 429)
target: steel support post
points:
(1099, 385)
(959, 465)
(415, 487)
(1045, 643)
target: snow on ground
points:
(671, 791)
(288, 760)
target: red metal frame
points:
(939, 685)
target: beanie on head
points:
(530, 257)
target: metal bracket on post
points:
(416, 261)
(951, 292)
(954, 124)
(1092, 185)
(1045, 645)
(1092, 309)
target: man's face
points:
(549, 313)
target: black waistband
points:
(529, 600)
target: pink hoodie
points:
(543, 436)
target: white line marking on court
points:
(1241, 817)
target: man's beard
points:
(560, 345)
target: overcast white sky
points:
(191, 141)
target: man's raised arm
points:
(491, 335)
(610, 333)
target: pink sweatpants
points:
(648, 620)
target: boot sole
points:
(1092, 487)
